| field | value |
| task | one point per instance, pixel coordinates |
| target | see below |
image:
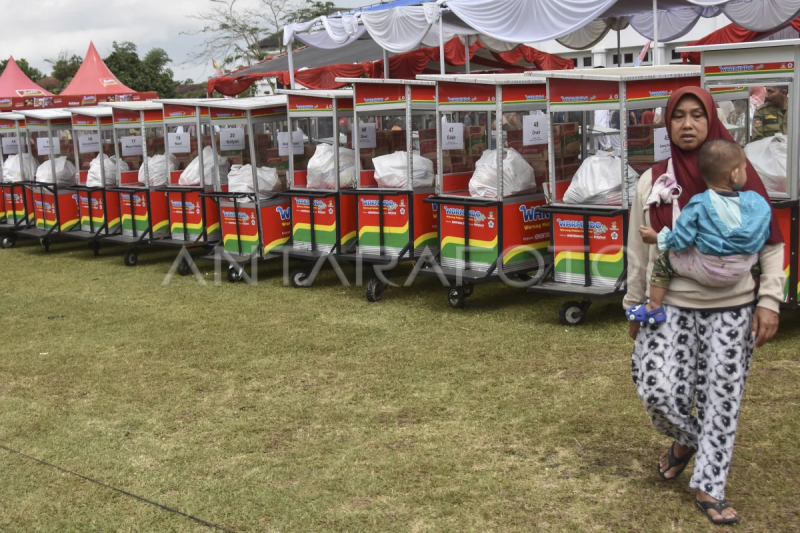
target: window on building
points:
(628, 58)
(676, 56)
(646, 57)
(615, 59)
(587, 61)
(575, 62)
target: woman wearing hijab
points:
(701, 354)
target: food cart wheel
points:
(573, 313)
(45, 242)
(131, 258)
(8, 242)
(456, 298)
(183, 268)
(94, 246)
(234, 274)
(469, 288)
(375, 290)
(300, 279)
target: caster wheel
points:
(456, 298)
(45, 244)
(300, 279)
(572, 313)
(8, 242)
(234, 274)
(183, 268)
(131, 258)
(374, 290)
(94, 246)
(468, 290)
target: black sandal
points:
(673, 462)
(718, 507)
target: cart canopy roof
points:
(249, 103)
(739, 46)
(627, 74)
(390, 81)
(93, 111)
(488, 79)
(46, 114)
(16, 84)
(94, 77)
(147, 105)
(338, 93)
(11, 116)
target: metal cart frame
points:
(13, 194)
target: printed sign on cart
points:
(43, 146)
(453, 136)
(131, 145)
(366, 135)
(89, 143)
(661, 150)
(534, 129)
(179, 143)
(283, 142)
(10, 145)
(231, 139)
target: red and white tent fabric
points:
(18, 91)
(731, 33)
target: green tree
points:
(64, 68)
(311, 10)
(146, 74)
(33, 73)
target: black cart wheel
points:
(183, 268)
(300, 279)
(8, 241)
(456, 298)
(469, 288)
(572, 313)
(131, 258)
(45, 242)
(94, 246)
(375, 290)
(234, 274)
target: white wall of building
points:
(631, 44)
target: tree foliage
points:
(311, 10)
(32, 72)
(64, 67)
(146, 74)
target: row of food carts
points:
(432, 172)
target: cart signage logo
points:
(660, 94)
(89, 99)
(390, 204)
(598, 228)
(305, 202)
(531, 214)
(761, 68)
(307, 106)
(534, 97)
(108, 81)
(374, 100)
(474, 214)
(25, 93)
(243, 217)
(284, 213)
(5, 102)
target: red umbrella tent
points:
(94, 83)
(17, 91)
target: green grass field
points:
(268, 408)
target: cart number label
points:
(534, 129)
(43, 146)
(283, 143)
(10, 145)
(366, 135)
(661, 150)
(231, 139)
(453, 136)
(179, 143)
(131, 145)
(89, 143)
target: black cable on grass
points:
(121, 491)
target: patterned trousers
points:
(696, 359)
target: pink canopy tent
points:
(17, 91)
(94, 81)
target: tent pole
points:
(441, 45)
(655, 32)
(291, 66)
(385, 64)
(466, 54)
(619, 48)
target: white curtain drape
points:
(672, 24)
(761, 15)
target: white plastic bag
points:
(157, 170)
(769, 157)
(110, 165)
(65, 172)
(240, 179)
(321, 168)
(11, 168)
(191, 175)
(517, 175)
(392, 170)
(598, 181)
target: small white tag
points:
(89, 144)
(661, 150)
(534, 129)
(366, 135)
(131, 145)
(43, 146)
(179, 143)
(10, 146)
(453, 136)
(231, 139)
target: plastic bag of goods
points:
(191, 176)
(110, 166)
(240, 179)
(157, 169)
(392, 170)
(321, 169)
(65, 172)
(598, 181)
(11, 168)
(768, 157)
(517, 175)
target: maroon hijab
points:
(687, 173)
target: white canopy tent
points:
(502, 25)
